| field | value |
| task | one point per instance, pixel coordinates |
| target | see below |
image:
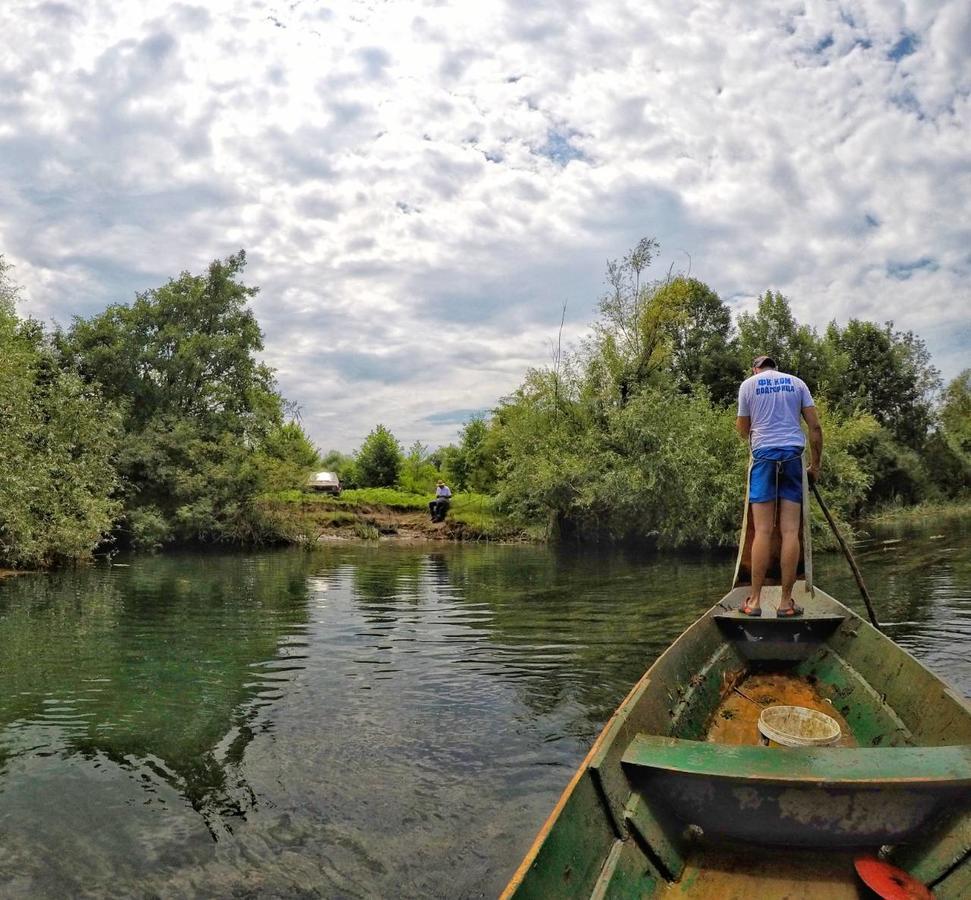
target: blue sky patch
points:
(901, 271)
(904, 47)
(455, 416)
(559, 149)
(906, 101)
(823, 44)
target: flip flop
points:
(747, 610)
(789, 612)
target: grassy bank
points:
(922, 511)
(372, 513)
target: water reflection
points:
(123, 666)
(357, 721)
(920, 579)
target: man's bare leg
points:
(790, 520)
(763, 521)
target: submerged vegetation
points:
(154, 423)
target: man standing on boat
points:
(770, 404)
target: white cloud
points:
(421, 185)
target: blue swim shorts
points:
(776, 472)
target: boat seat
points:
(768, 637)
(931, 767)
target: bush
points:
(58, 442)
(378, 462)
(147, 528)
(418, 474)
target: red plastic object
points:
(888, 881)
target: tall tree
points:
(888, 374)
(632, 338)
(418, 472)
(286, 458)
(378, 463)
(477, 456)
(181, 362)
(956, 412)
(704, 351)
(797, 349)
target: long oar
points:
(849, 557)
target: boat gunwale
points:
(605, 737)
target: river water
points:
(360, 721)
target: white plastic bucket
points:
(797, 726)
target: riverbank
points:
(374, 514)
(389, 514)
(921, 512)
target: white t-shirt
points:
(774, 401)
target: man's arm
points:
(743, 425)
(815, 441)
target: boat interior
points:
(683, 794)
(754, 818)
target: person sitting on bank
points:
(770, 404)
(439, 506)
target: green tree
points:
(624, 438)
(949, 447)
(956, 413)
(286, 458)
(475, 464)
(888, 374)
(58, 439)
(181, 362)
(704, 350)
(378, 463)
(632, 339)
(798, 349)
(418, 473)
(450, 464)
(342, 464)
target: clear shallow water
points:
(357, 722)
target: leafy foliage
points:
(58, 440)
(472, 465)
(772, 329)
(632, 435)
(887, 374)
(158, 419)
(704, 349)
(203, 422)
(285, 457)
(956, 413)
(379, 461)
(418, 473)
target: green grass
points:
(475, 513)
(927, 510)
(366, 531)
(390, 497)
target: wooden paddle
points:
(849, 557)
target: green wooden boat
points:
(681, 795)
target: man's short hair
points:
(763, 362)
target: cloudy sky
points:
(420, 186)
